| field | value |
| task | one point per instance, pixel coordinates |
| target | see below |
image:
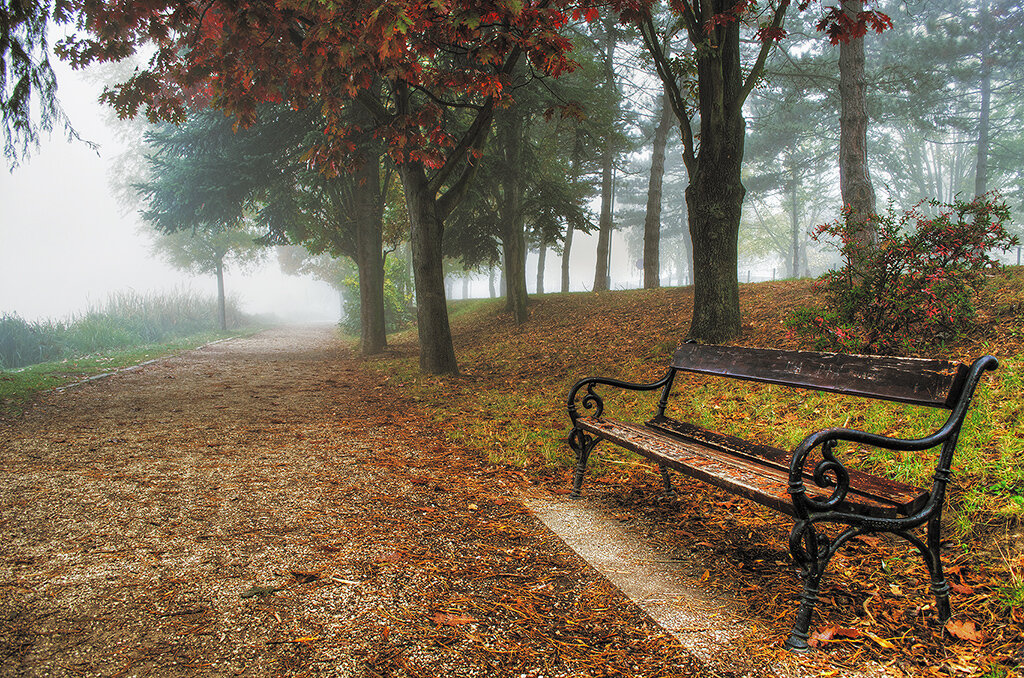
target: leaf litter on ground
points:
(523, 374)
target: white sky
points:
(65, 244)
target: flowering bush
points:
(914, 285)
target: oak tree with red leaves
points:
(725, 68)
(426, 76)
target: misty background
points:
(67, 243)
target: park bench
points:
(810, 483)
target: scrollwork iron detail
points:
(582, 444)
(592, 401)
(827, 473)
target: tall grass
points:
(25, 343)
(126, 320)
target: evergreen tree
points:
(207, 173)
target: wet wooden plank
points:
(906, 498)
(762, 483)
(916, 381)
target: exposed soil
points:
(259, 507)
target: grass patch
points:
(128, 329)
(19, 387)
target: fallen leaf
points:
(822, 636)
(305, 577)
(965, 630)
(831, 633)
(259, 592)
(453, 619)
(961, 589)
(392, 557)
(881, 642)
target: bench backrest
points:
(917, 381)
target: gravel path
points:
(252, 508)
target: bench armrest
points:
(830, 472)
(592, 401)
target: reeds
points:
(127, 319)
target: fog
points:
(66, 244)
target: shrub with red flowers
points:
(914, 285)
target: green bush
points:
(913, 286)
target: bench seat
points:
(757, 472)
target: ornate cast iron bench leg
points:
(805, 551)
(940, 587)
(581, 444)
(812, 552)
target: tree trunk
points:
(490, 283)
(512, 220)
(410, 269)
(437, 354)
(604, 224)
(566, 249)
(794, 217)
(854, 181)
(513, 244)
(604, 234)
(577, 153)
(981, 170)
(803, 257)
(652, 220)
(541, 257)
(222, 315)
(687, 248)
(369, 216)
(714, 197)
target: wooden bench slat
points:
(916, 381)
(906, 498)
(764, 485)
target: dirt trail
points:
(138, 507)
(250, 508)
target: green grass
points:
(21, 386)
(1011, 593)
